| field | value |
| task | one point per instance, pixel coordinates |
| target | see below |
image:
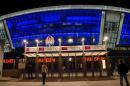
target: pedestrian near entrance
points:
(44, 71)
(122, 71)
(30, 70)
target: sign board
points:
(21, 65)
(49, 40)
(89, 59)
(65, 48)
(8, 61)
(104, 64)
(40, 60)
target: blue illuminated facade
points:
(125, 33)
(64, 24)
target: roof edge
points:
(62, 7)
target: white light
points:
(59, 40)
(105, 38)
(122, 14)
(103, 12)
(94, 39)
(37, 40)
(70, 40)
(25, 41)
(83, 39)
(70, 59)
(103, 64)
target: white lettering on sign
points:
(73, 48)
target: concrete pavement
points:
(74, 83)
(7, 81)
(71, 83)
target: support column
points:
(59, 59)
(102, 27)
(60, 65)
(52, 69)
(107, 60)
(75, 60)
(84, 65)
(92, 66)
(1, 61)
(120, 27)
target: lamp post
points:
(93, 42)
(82, 40)
(60, 63)
(70, 40)
(107, 59)
(25, 58)
(36, 63)
(84, 63)
(25, 45)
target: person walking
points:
(122, 71)
(44, 71)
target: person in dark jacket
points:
(30, 70)
(44, 71)
(122, 71)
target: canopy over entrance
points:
(55, 51)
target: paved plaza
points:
(114, 82)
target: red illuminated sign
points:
(45, 60)
(64, 48)
(41, 49)
(8, 61)
(87, 47)
(27, 49)
(94, 58)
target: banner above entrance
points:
(65, 48)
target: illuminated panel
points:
(64, 24)
(125, 34)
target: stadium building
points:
(73, 40)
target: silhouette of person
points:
(44, 71)
(122, 71)
(112, 68)
(30, 69)
(63, 68)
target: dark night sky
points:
(9, 6)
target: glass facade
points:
(111, 30)
(64, 24)
(125, 33)
(4, 39)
